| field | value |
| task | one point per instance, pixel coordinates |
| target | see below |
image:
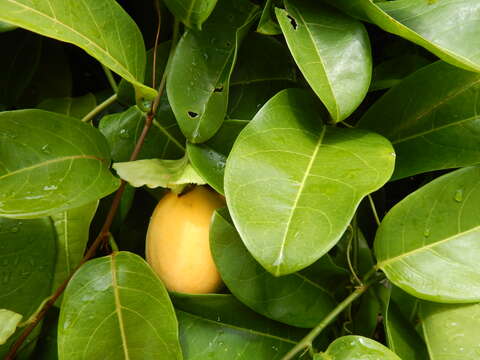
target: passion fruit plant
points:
(343, 134)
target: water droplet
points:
(46, 149)
(279, 260)
(6, 278)
(274, 348)
(458, 195)
(50, 187)
(426, 233)
(205, 55)
(124, 134)
(14, 229)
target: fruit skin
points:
(178, 246)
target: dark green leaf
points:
(415, 243)
(122, 130)
(451, 331)
(356, 347)
(4, 27)
(332, 51)
(431, 119)
(50, 163)
(105, 31)
(27, 260)
(119, 300)
(192, 13)
(294, 299)
(76, 107)
(198, 81)
(267, 25)
(209, 158)
(293, 184)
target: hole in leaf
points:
(218, 89)
(293, 22)
(192, 114)
(228, 43)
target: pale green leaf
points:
(119, 300)
(356, 347)
(50, 163)
(9, 321)
(435, 231)
(101, 28)
(173, 174)
(332, 51)
(433, 127)
(293, 184)
(198, 80)
(192, 13)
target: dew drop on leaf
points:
(14, 229)
(458, 195)
(46, 149)
(124, 134)
(426, 233)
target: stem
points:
(374, 210)
(157, 37)
(306, 342)
(349, 261)
(105, 230)
(110, 79)
(99, 108)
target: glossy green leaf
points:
(4, 27)
(76, 107)
(72, 227)
(105, 31)
(219, 327)
(173, 174)
(294, 299)
(332, 51)
(18, 67)
(120, 300)
(198, 81)
(391, 72)
(447, 28)
(9, 321)
(451, 331)
(400, 315)
(50, 163)
(192, 13)
(122, 130)
(27, 260)
(433, 127)
(293, 184)
(267, 25)
(415, 243)
(356, 347)
(272, 61)
(209, 158)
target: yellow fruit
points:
(178, 247)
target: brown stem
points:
(105, 230)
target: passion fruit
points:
(178, 247)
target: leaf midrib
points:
(102, 50)
(118, 308)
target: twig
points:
(99, 108)
(105, 230)
(110, 78)
(374, 210)
(157, 37)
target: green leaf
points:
(173, 174)
(356, 347)
(434, 127)
(27, 260)
(192, 13)
(9, 321)
(218, 327)
(76, 107)
(203, 61)
(50, 163)
(208, 159)
(427, 23)
(267, 25)
(104, 31)
(272, 61)
(451, 331)
(400, 313)
(332, 51)
(119, 300)
(122, 130)
(72, 227)
(4, 27)
(18, 67)
(414, 243)
(293, 184)
(294, 299)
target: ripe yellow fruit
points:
(178, 247)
